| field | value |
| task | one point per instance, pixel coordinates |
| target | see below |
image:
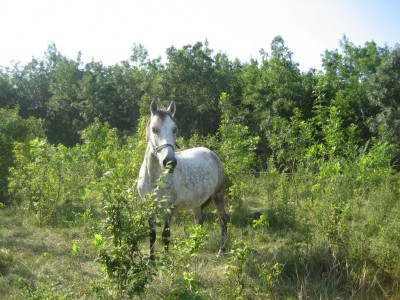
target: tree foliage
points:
(68, 94)
(384, 94)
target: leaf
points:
(75, 249)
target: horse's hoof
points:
(221, 253)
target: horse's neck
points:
(152, 168)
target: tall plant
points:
(235, 145)
(125, 225)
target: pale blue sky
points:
(106, 29)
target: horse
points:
(192, 178)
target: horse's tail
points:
(218, 193)
(221, 172)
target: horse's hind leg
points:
(218, 199)
(198, 216)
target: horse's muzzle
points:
(170, 165)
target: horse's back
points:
(197, 154)
(199, 159)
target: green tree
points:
(384, 93)
(195, 78)
(28, 86)
(96, 93)
(64, 113)
(347, 78)
(7, 92)
(274, 88)
(31, 88)
(235, 145)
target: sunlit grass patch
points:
(38, 261)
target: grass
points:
(287, 257)
(38, 262)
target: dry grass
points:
(39, 261)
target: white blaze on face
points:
(163, 133)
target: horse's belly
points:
(191, 200)
(190, 196)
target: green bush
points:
(13, 129)
(50, 181)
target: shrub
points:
(13, 129)
(50, 181)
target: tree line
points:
(265, 95)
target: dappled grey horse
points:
(194, 178)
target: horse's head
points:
(161, 131)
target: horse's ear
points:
(153, 107)
(172, 108)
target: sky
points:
(106, 30)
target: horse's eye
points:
(154, 130)
(174, 130)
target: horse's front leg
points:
(166, 234)
(152, 235)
